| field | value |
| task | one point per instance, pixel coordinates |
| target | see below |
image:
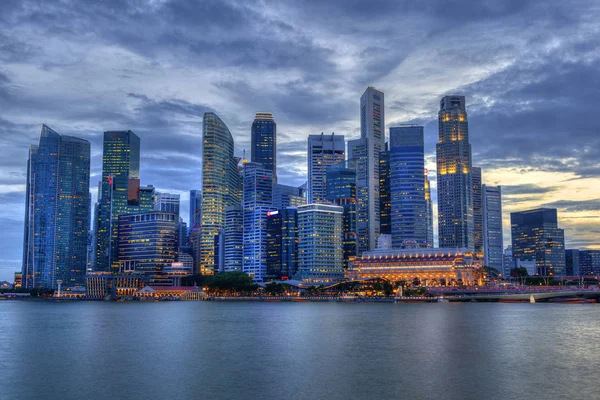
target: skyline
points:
(507, 91)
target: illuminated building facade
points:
(264, 142)
(287, 196)
(493, 237)
(233, 238)
(429, 213)
(385, 197)
(572, 264)
(167, 202)
(320, 251)
(220, 187)
(323, 151)
(99, 285)
(56, 211)
(257, 199)
(477, 210)
(195, 207)
(147, 241)
(454, 182)
(589, 262)
(341, 191)
(536, 236)
(407, 186)
(424, 267)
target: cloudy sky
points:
(530, 71)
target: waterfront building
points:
(385, 198)
(18, 280)
(589, 262)
(429, 212)
(423, 267)
(477, 211)
(234, 238)
(264, 142)
(572, 262)
(167, 202)
(195, 207)
(493, 237)
(287, 196)
(220, 187)
(454, 182)
(323, 151)
(536, 236)
(407, 186)
(256, 204)
(147, 241)
(100, 285)
(57, 201)
(320, 251)
(341, 191)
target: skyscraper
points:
(572, 262)
(234, 238)
(195, 207)
(589, 262)
(454, 183)
(477, 210)
(407, 187)
(323, 151)
(429, 214)
(167, 202)
(57, 206)
(264, 142)
(385, 197)
(287, 196)
(341, 191)
(256, 204)
(536, 236)
(320, 254)
(220, 187)
(493, 238)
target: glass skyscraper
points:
(572, 262)
(57, 206)
(454, 183)
(477, 210)
(407, 187)
(220, 187)
(429, 210)
(536, 236)
(195, 207)
(493, 237)
(589, 262)
(385, 199)
(257, 199)
(233, 238)
(323, 151)
(167, 202)
(341, 191)
(264, 142)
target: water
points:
(208, 350)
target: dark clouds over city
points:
(530, 71)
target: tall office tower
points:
(407, 187)
(183, 238)
(56, 211)
(589, 262)
(323, 151)
(119, 193)
(493, 238)
(195, 207)
(257, 200)
(234, 238)
(536, 236)
(507, 262)
(320, 253)
(477, 210)
(287, 196)
(429, 213)
(167, 202)
(274, 250)
(289, 242)
(357, 159)
(147, 241)
(572, 262)
(264, 142)
(454, 183)
(220, 187)
(385, 199)
(341, 191)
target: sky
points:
(529, 71)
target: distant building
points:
(234, 238)
(493, 237)
(256, 204)
(407, 186)
(195, 207)
(100, 285)
(221, 187)
(341, 191)
(18, 284)
(287, 196)
(508, 262)
(477, 210)
(384, 242)
(57, 211)
(589, 262)
(148, 242)
(323, 151)
(429, 213)
(385, 198)
(264, 142)
(572, 262)
(320, 253)
(454, 182)
(536, 235)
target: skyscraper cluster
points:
(361, 195)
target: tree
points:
(520, 272)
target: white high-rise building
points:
(167, 202)
(491, 205)
(323, 151)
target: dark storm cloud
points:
(528, 188)
(575, 205)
